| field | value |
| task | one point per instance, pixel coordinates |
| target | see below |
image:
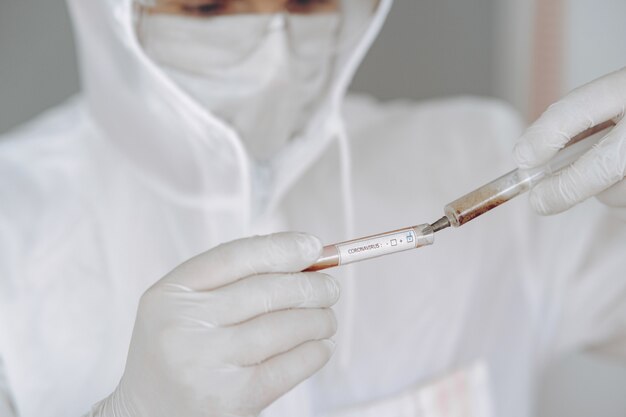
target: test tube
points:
(516, 182)
(458, 212)
(374, 246)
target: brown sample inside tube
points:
(484, 199)
(329, 259)
(503, 189)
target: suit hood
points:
(179, 146)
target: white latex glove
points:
(228, 332)
(599, 172)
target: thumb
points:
(583, 108)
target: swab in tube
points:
(374, 246)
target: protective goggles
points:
(313, 28)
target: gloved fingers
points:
(240, 301)
(587, 106)
(281, 373)
(271, 334)
(260, 294)
(229, 262)
(597, 170)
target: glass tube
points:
(374, 246)
(518, 181)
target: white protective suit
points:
(103, 196)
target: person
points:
(129, 287)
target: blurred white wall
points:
(428, 48)
(592, 39)
(596, 33)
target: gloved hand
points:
(228, 332)
(599, 172)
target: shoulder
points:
(36, 147)
(453, 134)
(41, 166)
(40, 158)
(460, 120)
(465, 108)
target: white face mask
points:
(267, 93)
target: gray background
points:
(429, 48)
(36, 58)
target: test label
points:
(358, 250)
